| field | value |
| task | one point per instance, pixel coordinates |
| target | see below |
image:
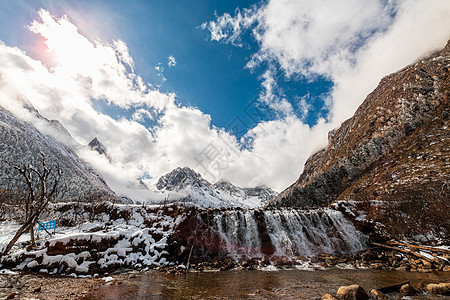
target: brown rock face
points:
(394, 150)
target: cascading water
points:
(281, 232)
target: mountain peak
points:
(202, 193)
(96, 145)
(179, 179)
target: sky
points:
(237, 90)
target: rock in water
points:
(378, 295)
(352, 292)
(408, 290)
(439, 289)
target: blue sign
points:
(48, 225)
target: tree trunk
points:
(29, 222)
(18, 234)
(32, 241)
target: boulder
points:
(408, 290)
(439, 289)
(378, 295)
(265, 261)
(352, 292)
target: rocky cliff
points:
(392, 156)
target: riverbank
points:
(38, 286)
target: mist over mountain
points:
(21, 143)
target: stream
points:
(281, 284)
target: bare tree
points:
(42, 186)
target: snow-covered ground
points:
(121, 236)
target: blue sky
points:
(259, 82)
(208, 75)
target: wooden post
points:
(189, 259)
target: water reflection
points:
(285, 284)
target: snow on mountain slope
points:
(201, 193)
(21, 142)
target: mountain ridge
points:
(222, 194)
(21, 143)
(394, 148)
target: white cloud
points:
(272, 96)
(141, 114)
(66, 84)
(172, 62)
(353, 43)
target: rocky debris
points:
(378, 295)
(392, 157)
(352, 292)
(438, 289)
(397, 291)
(378, 258)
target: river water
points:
(281, 284)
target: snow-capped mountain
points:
(20, 143)
(202, 193)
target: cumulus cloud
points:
(65, 84)
(346, 41)
(352, 43)
(172, 62)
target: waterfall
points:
(277, 232)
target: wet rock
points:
(286, 261)
(408, 290)
(378, 295)
(403, 268)
(328, 297)
(352, 292)
(438, 289)
(265, 261)
(315, 259)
